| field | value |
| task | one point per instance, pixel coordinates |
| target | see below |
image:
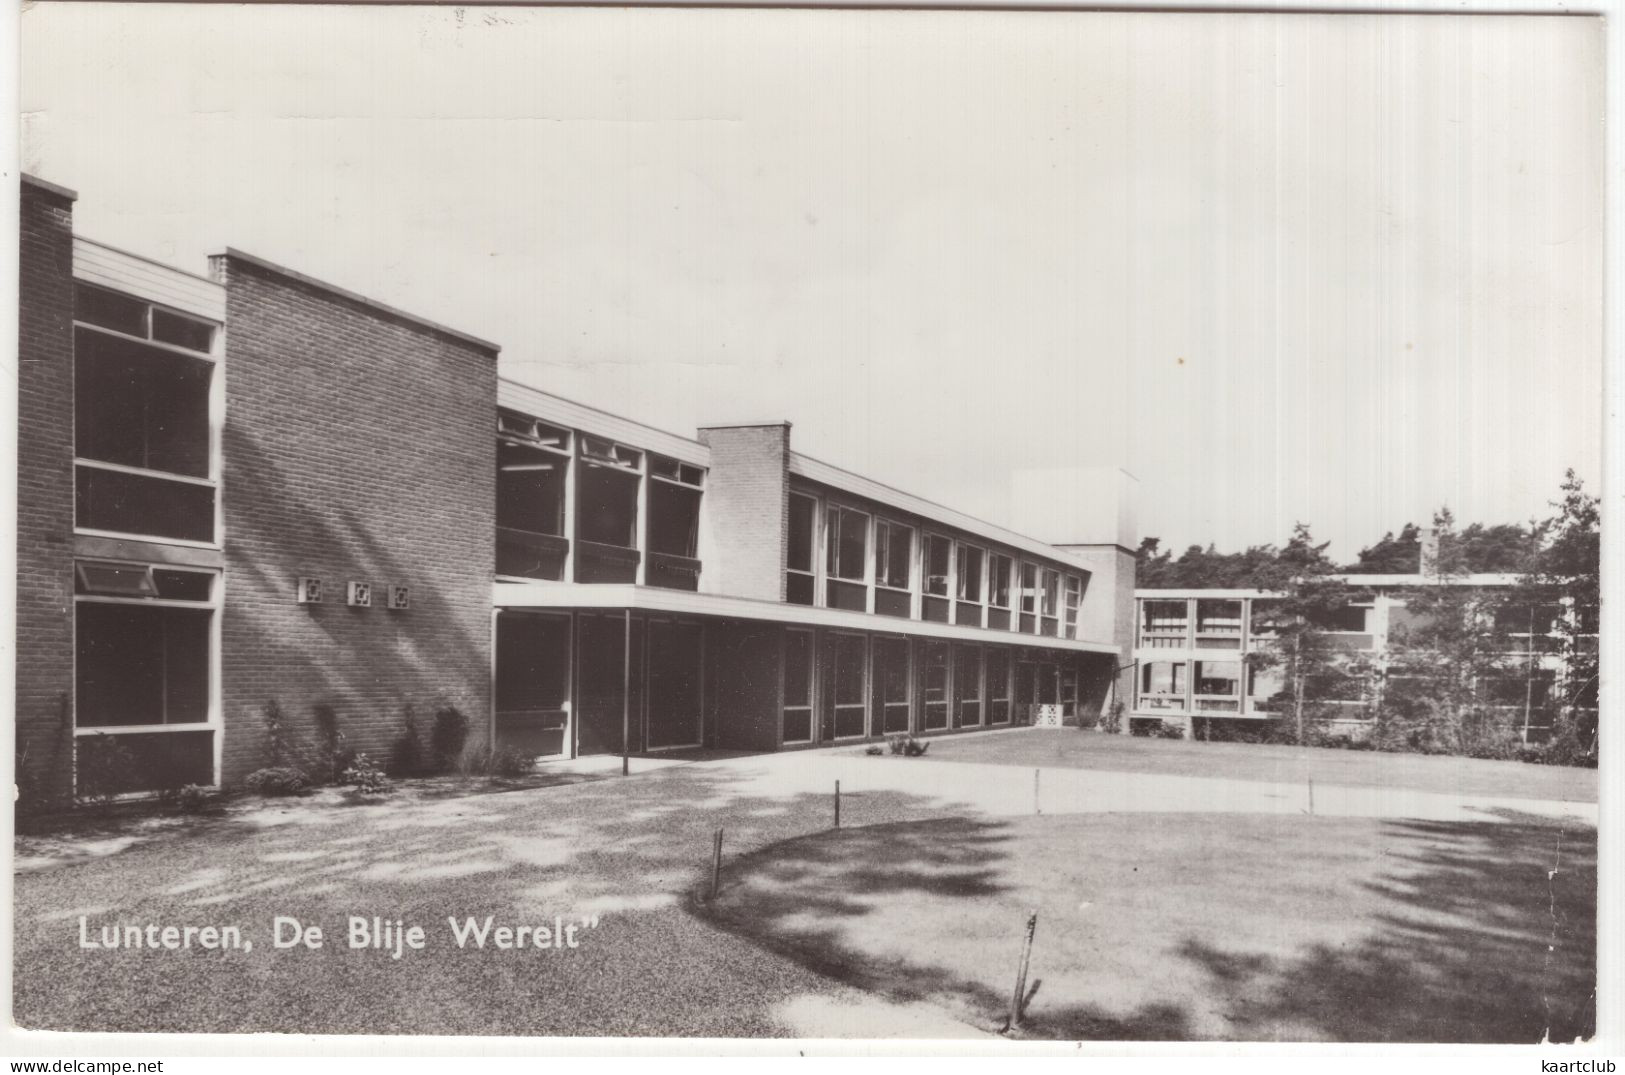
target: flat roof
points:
(359, 299)
(51, 188)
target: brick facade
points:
(358, 446)
(45, 493)
(747, 505)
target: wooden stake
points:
(716, 862)
(1311, 796)
(1037, 809)
(837, 804)
(1017, 997)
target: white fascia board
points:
(571, 415)
(564, 595)
(812, 470)
(106, 266)
(1180, 595)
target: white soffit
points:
(94, 263)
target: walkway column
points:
(626, 697)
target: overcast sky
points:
(1332, 269)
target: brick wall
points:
(45, 492)
(357, 446)
(747, 506)
(742, 685)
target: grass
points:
(1208, 927)
(1073, 749)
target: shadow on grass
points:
(1488, 934)
(1468, 932)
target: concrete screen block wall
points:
(45, 492)
(747, 510)
(358, 447)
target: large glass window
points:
(846, 547)
(936, 563)
(142, 435)
(799, 566)
(934, 684)
(999, 571)
(845, 710)
(1074, 599)
(968, 611)
(798, 680)
(533, 462)
(1218, 623)
(967, 686)
(674, 524)
(1162, 685)
(1049, 623)
(607, 511)
(894, 549)
(1028, 596)
(1163, 623)
(143, 659)
(998, 686)
(892, 670)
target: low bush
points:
(365, 776)
(106, 768)
(187, 799)
(276, 780)
(908, 746)
(448, 737)
(510, 762)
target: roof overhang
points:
(563, 595)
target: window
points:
(938, 549)
(967, 686)
(1162, 685)
(1074, 599)
(142, 433)
(798, 663)
(891, 673)
(607, 512)
(1029, 599)
(1049, 624)
(845, 711)
(894, 550)
(846, 545)
(969, 609)
(1218, 679)
(143, 654)
(934, 684)
(1163, 623)
(1350, 618)
(799, 580)
(999, 570)
(998, 686)
(936, 563)
(533, 465)
(674, 524)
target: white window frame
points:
(216, 418)
(214, 723)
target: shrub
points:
(448, 737)
(365, 777)
(333, 756)
(875, 750)
(1166, 730)
(1111, 718)
(907, 745)
(187, 799)
(278, 747)
(510, 762)
(406, 754)
(276, 781)
(106, 769)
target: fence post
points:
(1021, 973)
(1037, 809)
(716, 862)
(1311, 796)
(837, 804)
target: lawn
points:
(1071, 748)
(1186, 926)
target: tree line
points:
(1466, 668)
